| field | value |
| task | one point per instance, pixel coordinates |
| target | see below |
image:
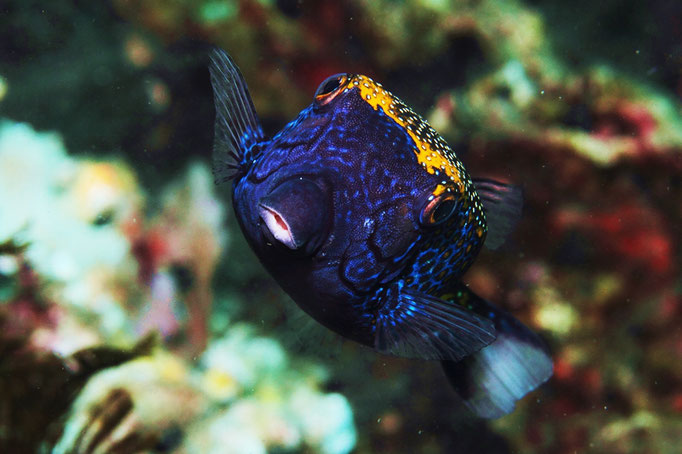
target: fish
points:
(367, 219)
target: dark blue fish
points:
(367, 219)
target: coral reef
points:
(39, 386)
(243, 397)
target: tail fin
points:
(491, 380)
(237, 127)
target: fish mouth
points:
(296, 214)
(278, 227)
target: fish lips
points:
(296, 215)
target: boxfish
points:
(367, 219)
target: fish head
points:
(347, 195)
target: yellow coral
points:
(102, 189)
(219, 384)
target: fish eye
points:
(330, 88)
(438, 209)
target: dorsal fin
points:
(237, 128)
(502, 205)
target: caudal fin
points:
(491, 380)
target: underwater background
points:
(134, 317)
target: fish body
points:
(367, 219)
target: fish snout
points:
(296, 214)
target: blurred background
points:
(134, 318)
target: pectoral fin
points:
(412, 324)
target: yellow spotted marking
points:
(441, 188)
(432, 152)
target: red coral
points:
(627, 119)
(630, 234)
(149, 250)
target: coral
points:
(38, 387)
(190, 226)
(72, 216)
(140, 405)
(244, 397)
(87, 239)
(599, 114)
(3, 87)
(274, 405)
